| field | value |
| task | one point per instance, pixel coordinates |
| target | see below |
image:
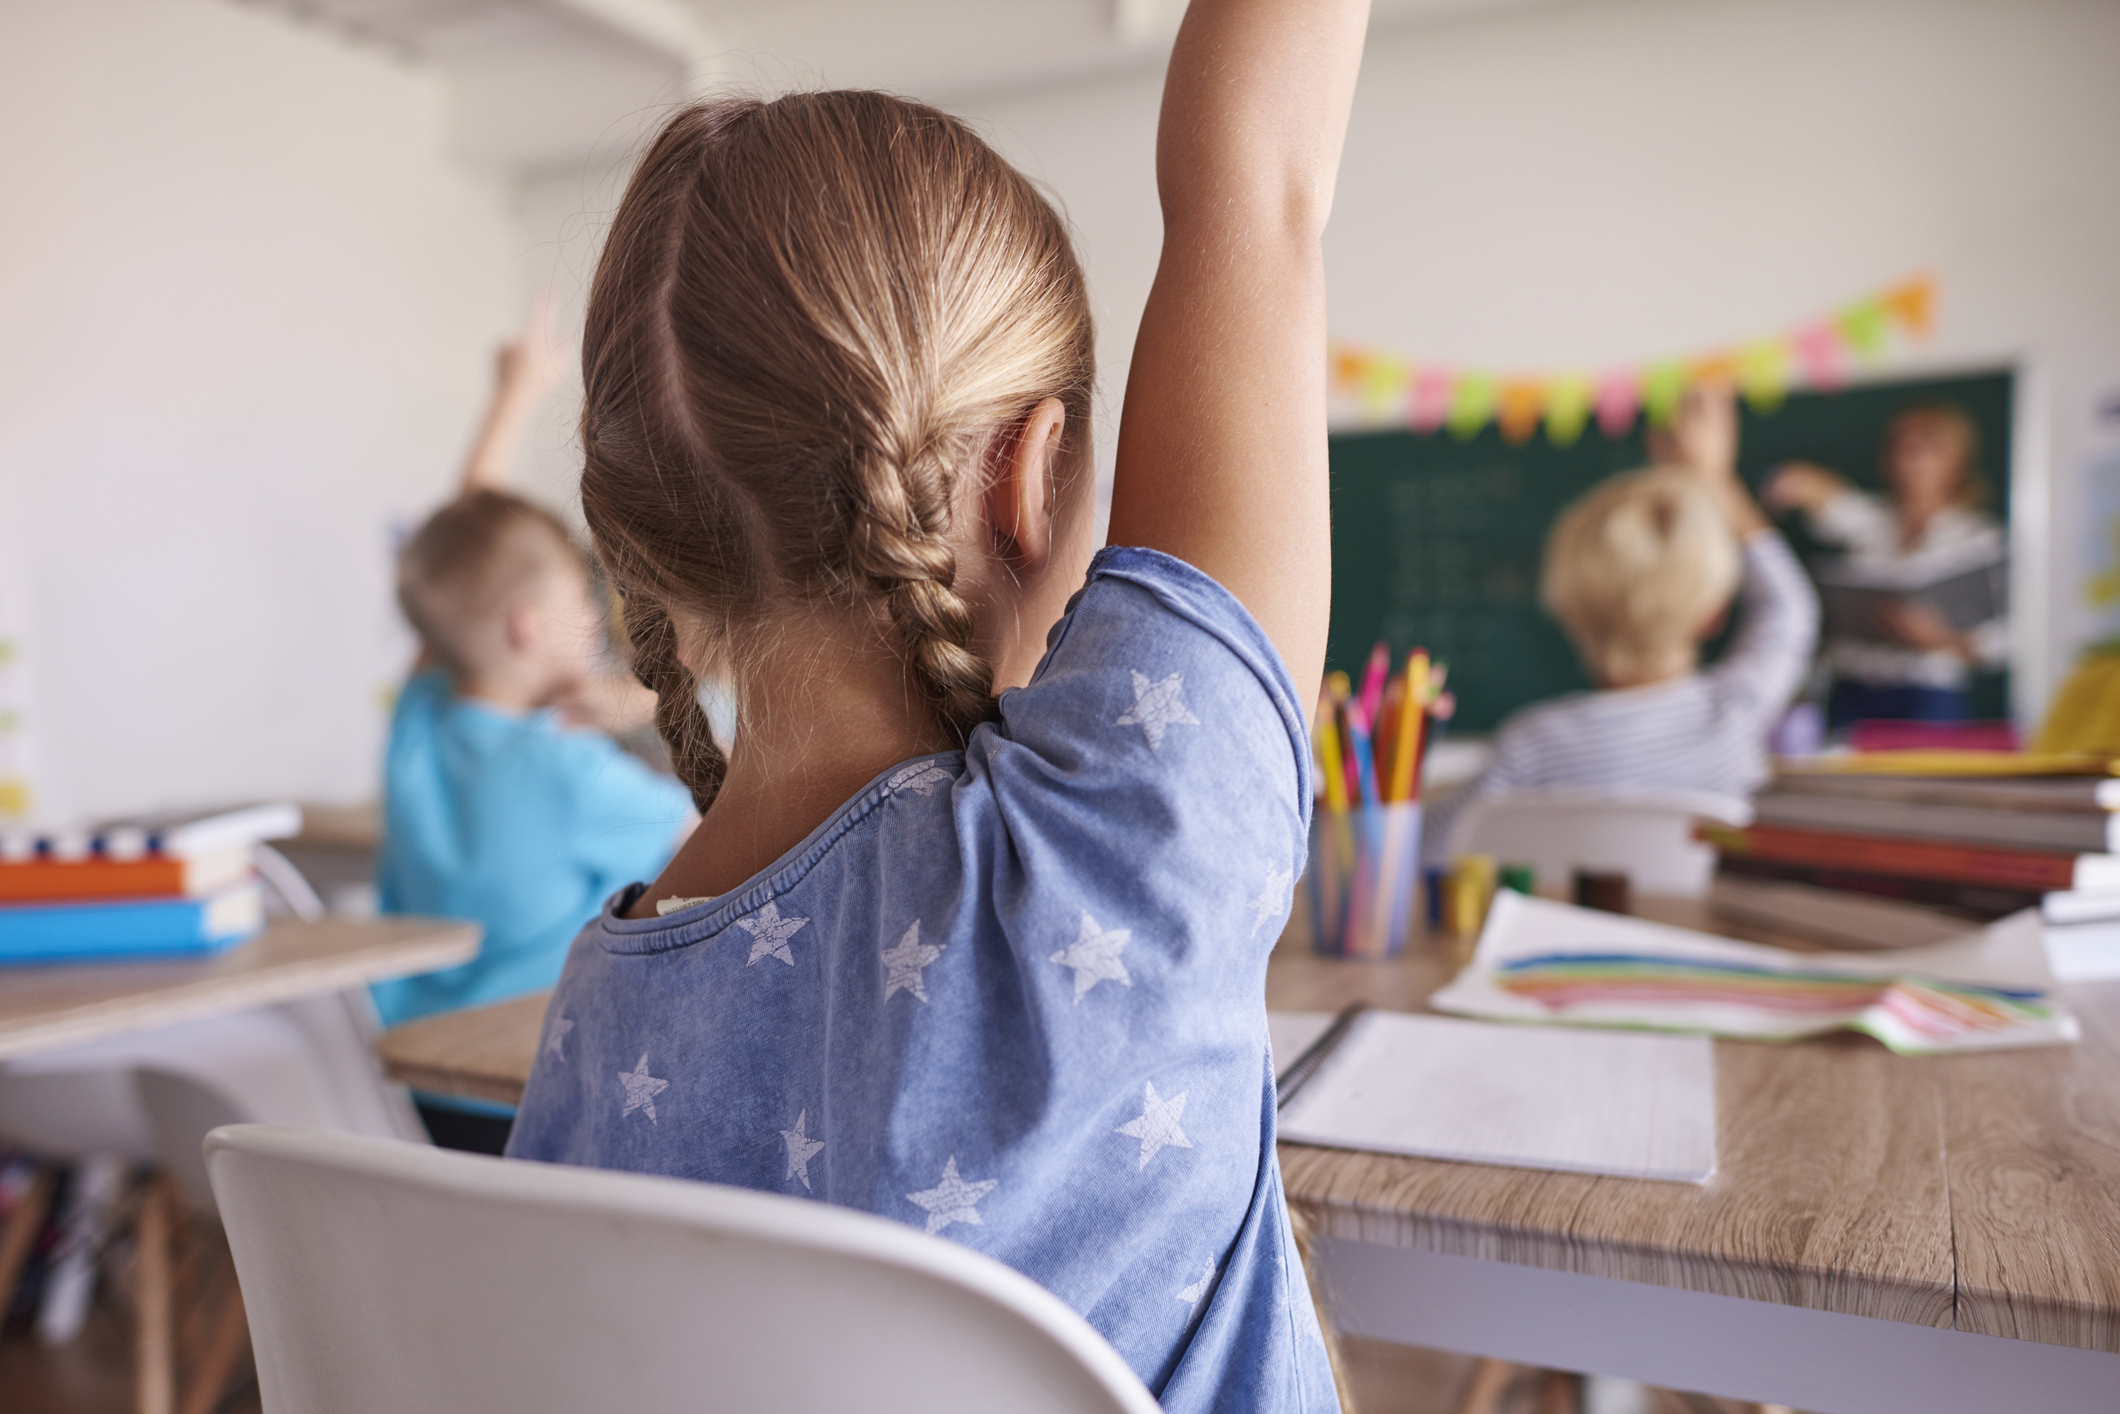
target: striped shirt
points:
(1704, 731)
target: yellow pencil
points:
(1411, 714)
(1329, 750)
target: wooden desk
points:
(46, 1007)
(1877, 1225)
(484, 1053)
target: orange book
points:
(153, 876)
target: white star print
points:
(1196, 1293)
(953, 1200)
(556, 1036)
(770, 933)
(1094, 954)
(641, 1089)
(1272, 899)
(1157, 1128)
(1157, 707)
(801, 1147)
(907, 964)
(921, 779)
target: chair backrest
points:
(382, 1275)
(1648, 834)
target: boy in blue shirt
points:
(504, 801)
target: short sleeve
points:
(626, 816)
(1157, 762)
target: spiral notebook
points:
(1628, 1104)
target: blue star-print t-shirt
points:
(1013, 995)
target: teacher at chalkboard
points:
(1917, 598)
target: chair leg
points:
(1488, 1381)
(23, 1226)
(224, 1349)
(1560, 1393)
(154, 1354)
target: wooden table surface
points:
(44, 1007)
(1980, 1193)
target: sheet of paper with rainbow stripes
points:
(1541, 961)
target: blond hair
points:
(812, 317)
(469, 564)
(1636, 569)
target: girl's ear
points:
(1023, 487)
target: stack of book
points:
(1977, 846)
(166, 886)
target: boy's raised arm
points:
(1222, 440)
(524, 371)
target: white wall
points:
(1609, 182)
(248, 297)
(247, 304)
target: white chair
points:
(1649, 834)
(381, 1275)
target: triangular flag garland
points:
(1428, 396)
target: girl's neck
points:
(817, 724)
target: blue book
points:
(131, 928)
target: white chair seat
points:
(389, 1276)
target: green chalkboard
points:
(1436, 541)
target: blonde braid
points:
(697, 758)
(901, 515)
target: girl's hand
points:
(1801, 486)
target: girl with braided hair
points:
(973, 932)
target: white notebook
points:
(1630, 1104)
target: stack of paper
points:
(1543, 961)
(1589, 1102)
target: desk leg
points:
(1820, 1361)
(154, 1351)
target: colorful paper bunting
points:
(1523, 404)
(1567, 408)
(1431, 399)
(1862, 325)
(1430, 396)
(1471, 404)
(1763, 373)
(1662, 385)
(1912, 305)
(1818, 349)
(1619, 398)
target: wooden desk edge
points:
(2048, 1322)
(437, 1080)
(1818, 1289)
(216, 994)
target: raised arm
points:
(524, 371)
(1222, 440)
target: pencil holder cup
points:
(1359, 897)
